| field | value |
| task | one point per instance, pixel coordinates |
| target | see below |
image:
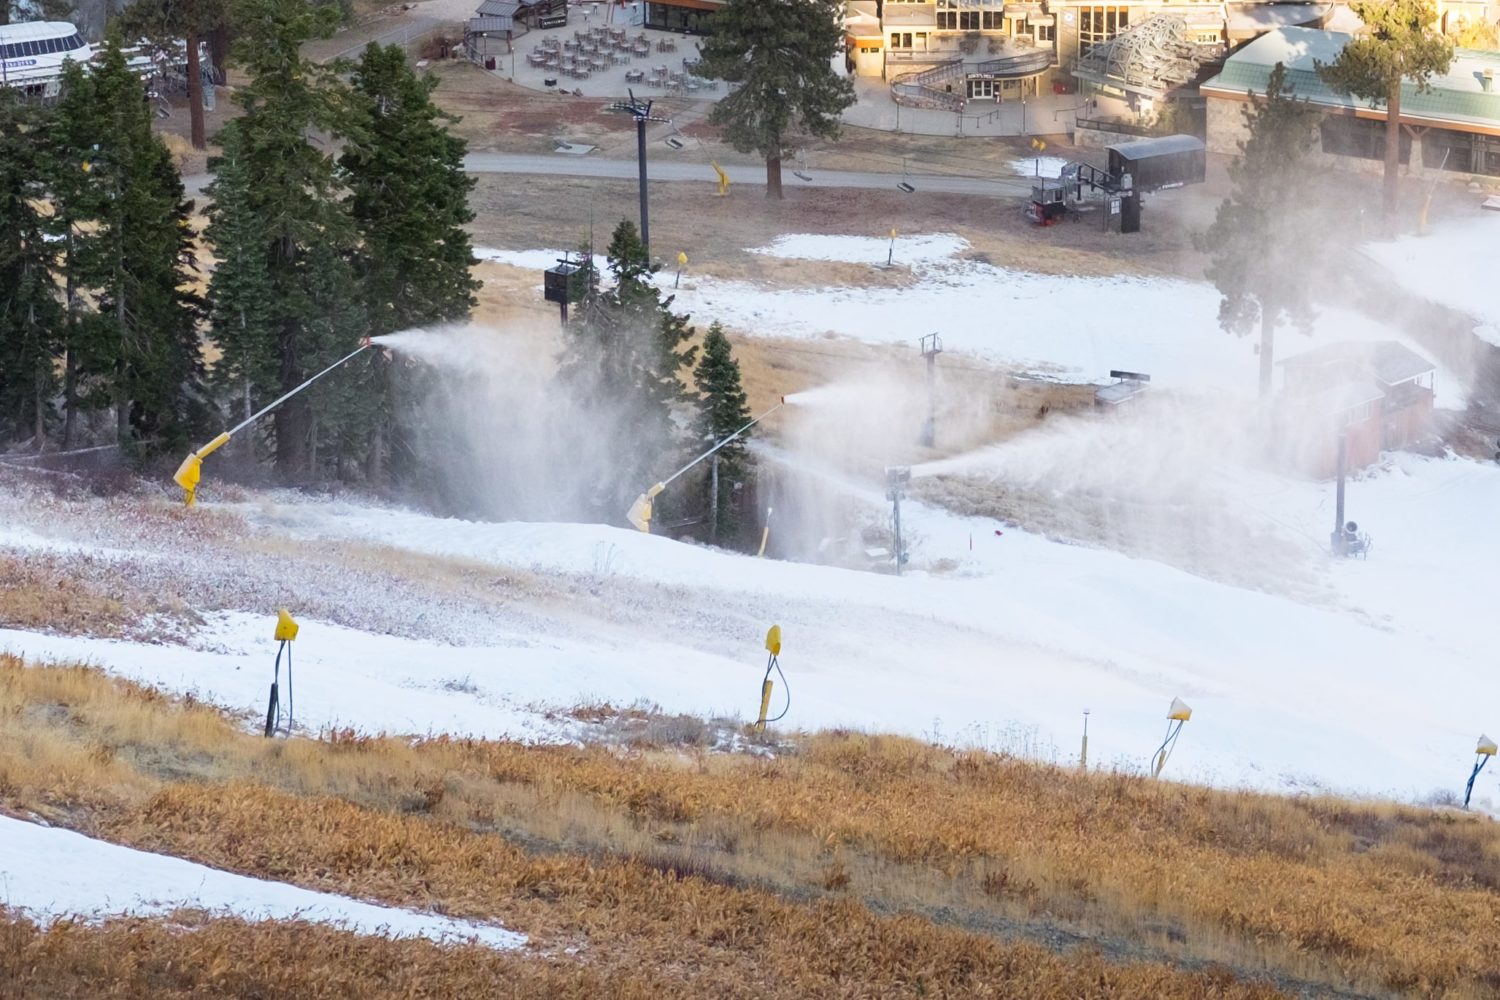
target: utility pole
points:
(641, 112)
(1083, 753)
(1337, 538)
(896, 478)
(932, 346)
(713, 501)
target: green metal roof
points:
(1456, 96)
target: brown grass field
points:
(841, 865)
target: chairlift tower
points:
(932, 346)
(641, 112)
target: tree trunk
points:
(41, 403)
(70, 397)
(1267, 348)
(773, 177)
(195, 94)
(1392, 153)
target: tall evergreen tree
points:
(30, 309)
(289, 200)
(242, 300)
(134, 340)
(1262, 240)
(724, 410)
(1398, 43)
(778, 57)
(409, 196)
(625, 349)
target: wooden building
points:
(1378, 394)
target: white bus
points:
(32, 54)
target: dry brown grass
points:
(1356, 895)
(39, 593)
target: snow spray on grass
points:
(500, 435)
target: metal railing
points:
(926, 88)
(1117, 127)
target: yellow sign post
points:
(286, 631)
(773, 649)
(1482, 754)
(1179, 713)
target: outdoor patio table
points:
(571, 45)
(598, 62)
(634, 76)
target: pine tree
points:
(724, 410)
(242, 313)
(133, 340)
(778, 57)
(30, 310)
(289, 200)
(625, 348)
(1262, 238)
(409, 196)
(1398, 44)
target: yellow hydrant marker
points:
(1178, 713)
(773, 649)
(286, 626)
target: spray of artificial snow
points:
(504, 438)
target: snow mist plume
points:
(827, 475)
(502, 437)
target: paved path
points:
(750, 177)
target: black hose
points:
(273, 708)
(774, 663)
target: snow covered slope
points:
(1380, 688)
(1066, 327)
(47, 873)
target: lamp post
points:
(641, 112)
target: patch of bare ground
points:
(533, 212)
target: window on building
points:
(1043, 32)
(1444, 149)
(1363, 138)
(909, 40)
(1100, 24)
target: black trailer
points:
(1153, 164)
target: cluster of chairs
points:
(589, 51)
(680, 81)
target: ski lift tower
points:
(641, 112)
(932, 346)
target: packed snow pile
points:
(48, 873)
